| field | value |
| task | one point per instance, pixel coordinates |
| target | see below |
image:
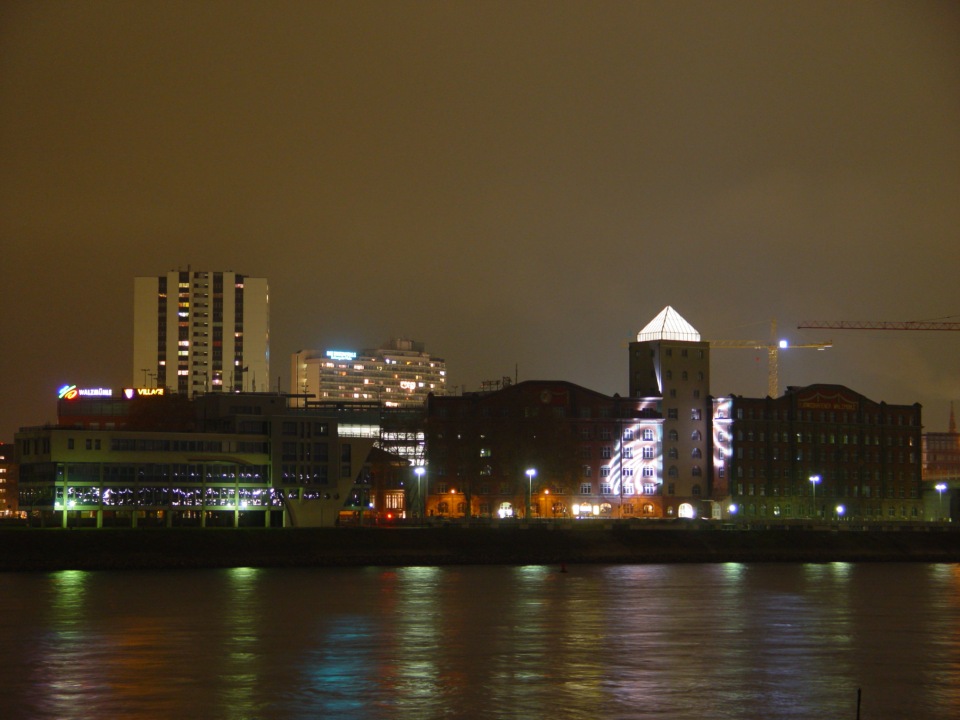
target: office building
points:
(398, 374)
(9, 472)
(221, 459)
(197, 332)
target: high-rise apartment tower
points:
(197, 332)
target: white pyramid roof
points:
(668, 325)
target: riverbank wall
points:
(25, 549)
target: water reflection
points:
(242, 611)
(680, 641)
(59, 664)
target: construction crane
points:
(878, 325)
(773, 348)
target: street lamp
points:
(423, 504)
(530, 473)
(814, 479)
(940, 487)
(840, 511)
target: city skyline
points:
(521, 186)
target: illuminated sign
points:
(67, 392)
(408, 385)
(341, 355)
(96, 392)
(71, 392)
(129, 393)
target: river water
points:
(596, 641)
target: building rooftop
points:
(668, 325)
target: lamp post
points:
(814, 479)
(423, 504)
(530, 473)
(940, 487)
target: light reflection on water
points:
(656, 641)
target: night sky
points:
(520, 185)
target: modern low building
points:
(399, 374)
(238, 458)
(198, 332)
(543, 449)
(817, 452)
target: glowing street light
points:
(840, 511)
(530, 473)
(940, 487)
(423, 501)
(814, 479)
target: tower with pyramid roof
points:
(669, 362)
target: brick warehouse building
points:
(591, 454)
(822, 451)
(721, 458)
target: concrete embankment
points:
(55, 549)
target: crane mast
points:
(773, 348)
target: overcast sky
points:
(520, 185)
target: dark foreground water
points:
(660, 641)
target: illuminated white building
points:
(400, 374)
(196, 332)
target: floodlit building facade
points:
(197, 332)
(543, 449)
(399, 374)
(670, 368)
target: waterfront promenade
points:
(466, 544)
